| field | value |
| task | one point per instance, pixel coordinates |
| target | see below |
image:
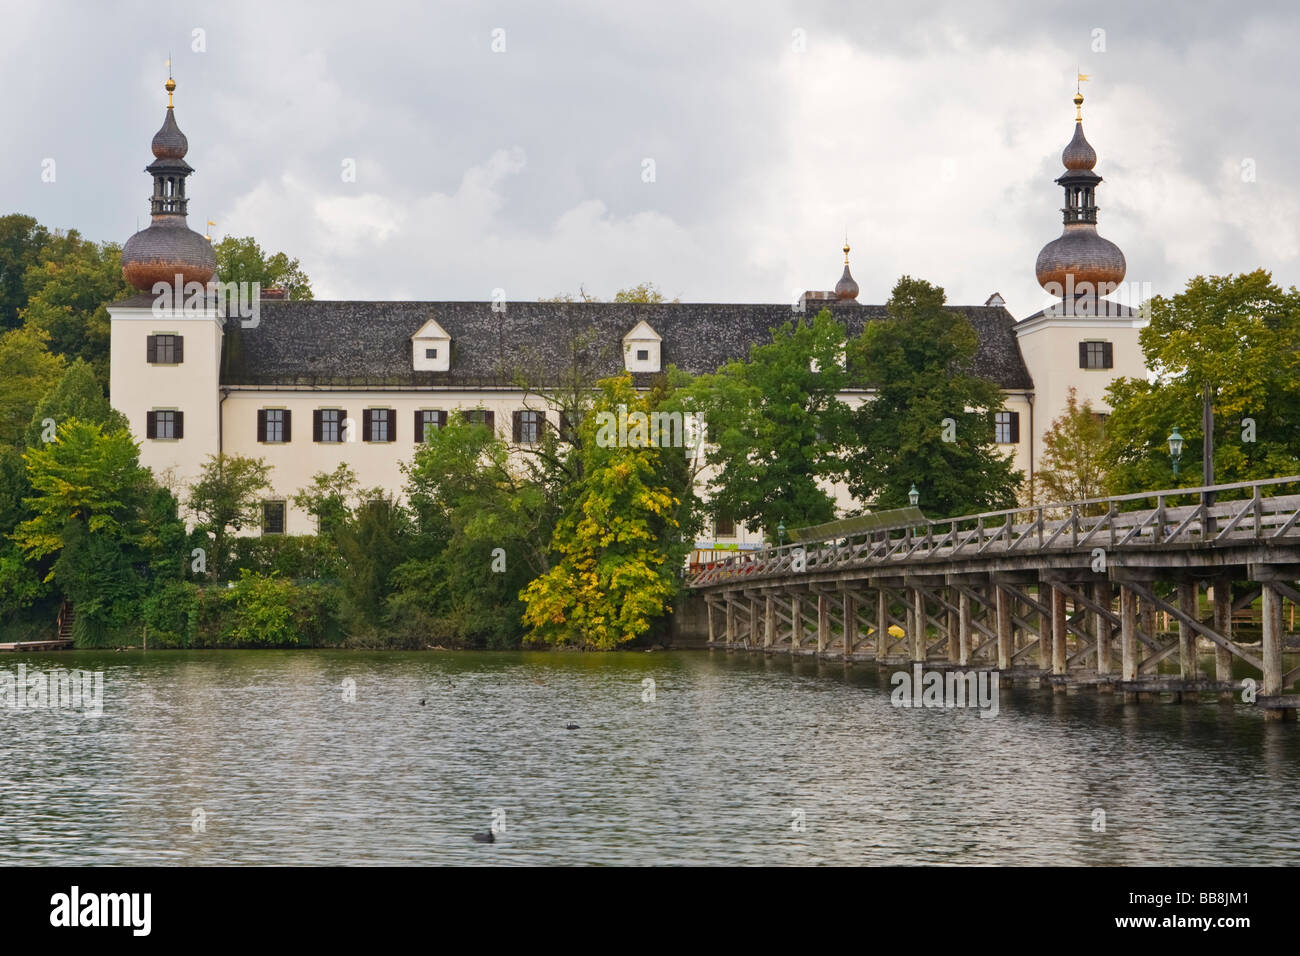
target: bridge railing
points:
(1257, 510)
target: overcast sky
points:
(932, 132)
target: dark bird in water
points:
(570, 726)
(488, 837)
(421, 701)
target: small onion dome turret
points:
(846, 290)
(168, 247)
(1079, 259)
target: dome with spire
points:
(168, 247)
(1080, 259)
(846, 290)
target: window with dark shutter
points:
(1107, 355)
(288, 418)
(150, 424)
(261, 424)
(272, 517)
(527, 426)
(163, 424)
(418, 431)
(151, 350)
(178, 430)
(316, 425)
(365, 424)
(179, 347)
(724, 526)
(516, 426)
(1083, 355)
(1096, 355)
(1006, 428)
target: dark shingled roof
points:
(369, 343)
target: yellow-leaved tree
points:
(614, 575)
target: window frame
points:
(284, 515)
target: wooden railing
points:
(1257, 512)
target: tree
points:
(373, 542)
(28, 371)
(228, 496)
(68, 293)
(771, 424)
(78, 395)
(641, 292)
(89, 492)
(21, 240)
(329, 498)
(241, 259)
(1074, 462)
(613, 578)
(930, 419)
(1238, 336)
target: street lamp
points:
(1175, 448)
(914, 496)
(780, 533)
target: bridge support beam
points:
(1223, 625)
(1128, 617)
(850, 607)
(1102, 594)
(1006, 629)
(823, 622)
(963, 628)
(769, 621)
(755, 623)
(882, 625)
(1272, 683)
(796, 623)
(731, 620)
(1059, 620)
(917, 629)
(1187, 670)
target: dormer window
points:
(431, 348)
(641, 349)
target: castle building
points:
(308, 385)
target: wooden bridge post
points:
(708, 607)
(1006, 629)
(1128, 637)
(1187, 670)
(731, 620)
(823, 623)
(1103, 594)
(1272, 683)
(850, 623)
(918, 625)
(796, 623)
(769, 622)
(954, 629)
(1060, 656)
(755, 628)
(963, 628)
(882, 625)
(1223, 627)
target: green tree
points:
(373, 543)
(89, 492)
(329, 498)
(68, 294)
(241, 259)
(1238, 336)
(78, 395)
(613, 578)
(21, 240)
(228, 495)
(771, 423)
(28, 371)
(920, 365)
(1074, 463)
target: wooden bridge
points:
(1053, 593)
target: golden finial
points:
(170, 85)
(846, 250)
(1078, 96)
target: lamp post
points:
(1175, 448)
(914, 496)
(780, 534)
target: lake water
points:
(737, 759)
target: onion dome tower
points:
(1080, 263)
(168, 247)
(846, 290)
